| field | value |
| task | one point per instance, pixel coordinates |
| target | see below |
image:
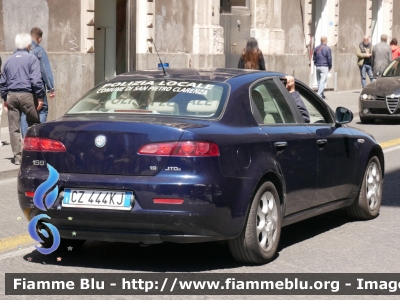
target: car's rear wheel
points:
(367, 120)
(368, 203)
(259, 239)
(64, 243)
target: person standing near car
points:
(22, 90)
(395, 48)
(381, 56)
(47, 77)
(364, 55)
(323, 61)
(252, 57)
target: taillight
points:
(43, 145)
(168, 201)
(189, 148)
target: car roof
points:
(216, 75)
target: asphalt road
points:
(330, 243)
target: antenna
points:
(162, 65)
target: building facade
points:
(92, 40)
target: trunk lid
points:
(119, 154)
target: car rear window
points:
(197, 99)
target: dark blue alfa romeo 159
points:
(198, 156)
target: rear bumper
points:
(210, 212)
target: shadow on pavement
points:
(391, 188)
(170, 257)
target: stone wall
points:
(59, 20)
(396, 20)
(73, 76)
(352, 24)
(150, 61)
(173, 26)
(293, 23)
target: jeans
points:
(42, 115)
(322, 74)
(364, 70)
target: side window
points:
(271, 104)
(317, 113)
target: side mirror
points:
(343, 116)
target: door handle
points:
(321, 143)
(280, 146)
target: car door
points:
(293, 145)
(336, 150)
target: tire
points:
(368, 202)
(257, 246)
(64, 243)
(367, 120)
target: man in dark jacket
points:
(20, 81)
(323, 62)
(290, 86)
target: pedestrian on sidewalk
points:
(47, 77)
(395, 48)
(323, 61)
(252, 57)
(364, 55)
(22, 90)
(381, 56)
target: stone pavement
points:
(348, 99)
(7, 168)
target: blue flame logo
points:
(44, 202)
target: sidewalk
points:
(7, 168)
(347, 99)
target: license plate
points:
(98, 199)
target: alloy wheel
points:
(373, 185)
(266, 221)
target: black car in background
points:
(380, 99)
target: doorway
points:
(112, 38)
(235, 18)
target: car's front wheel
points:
(368, 203)
(258, 242)
(367, 120)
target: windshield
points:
(155, 97)
(392, 70)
